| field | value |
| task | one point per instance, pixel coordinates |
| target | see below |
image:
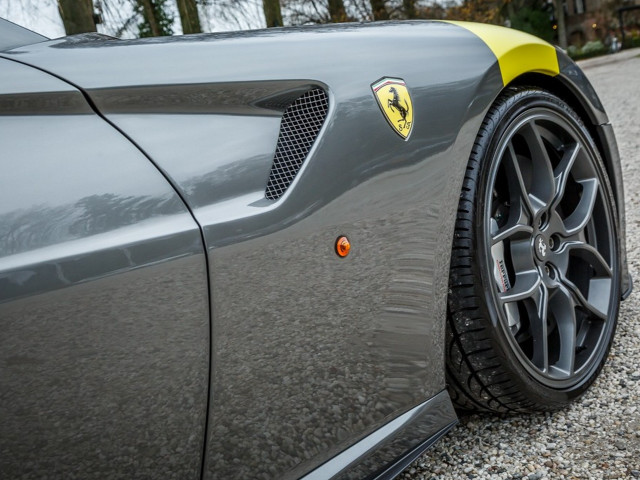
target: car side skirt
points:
(397, 443)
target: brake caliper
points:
(501, 277)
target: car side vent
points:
(299, 128)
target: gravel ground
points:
(599, 436)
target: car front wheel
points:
(535, 277)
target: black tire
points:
(506, 351)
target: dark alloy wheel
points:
(535, 286)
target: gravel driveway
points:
(599, 436)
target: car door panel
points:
(104, 351)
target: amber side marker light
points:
(343, 246)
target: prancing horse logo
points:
(542, 247)
(395, 102)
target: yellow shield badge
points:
(395, 102)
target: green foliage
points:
(595, 47)
(589, 49)
(156, 19)
(533, 21)
(632, 42)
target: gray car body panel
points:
(13, 36)
(140, 76)
(310, 354)
(100, 376)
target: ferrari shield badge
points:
(394, 100)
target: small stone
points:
(620, 445)
(635, 473)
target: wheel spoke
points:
(590, 255)
(561, 259)
(543, 180)
(517, 188)
(516, 226)
(593, 307)
(525, 286)
(563, 305)
(539, 329)
(582, 213)
(562, 172)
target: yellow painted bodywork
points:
(517, 52)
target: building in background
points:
(589, 20)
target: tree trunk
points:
(337, 11)
(189, 16)
(510, 11)
(149, 14)
(156, 18)
(378, 9)
(77, 16)
(409, 7)
(562, 29)
(272, 13)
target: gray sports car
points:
(294, 252)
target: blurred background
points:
(584, 28)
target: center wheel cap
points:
(541, 247)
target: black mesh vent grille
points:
(299, 128)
